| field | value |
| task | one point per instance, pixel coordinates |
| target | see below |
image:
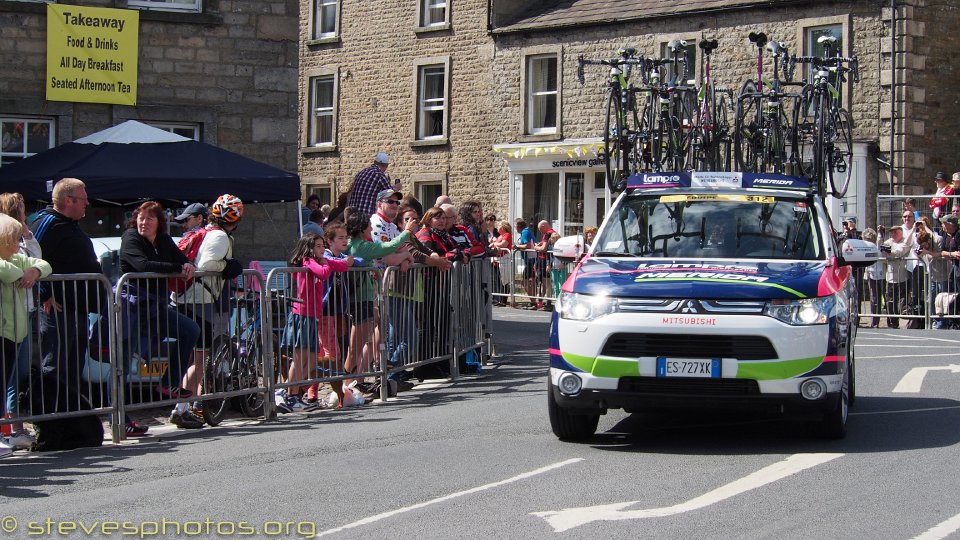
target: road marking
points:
(925, 409)
(948, 345)
(942, 530)
(391, 513)
(938, 355)
(569, 518)
(913, 380)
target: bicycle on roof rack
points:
(711, 146)
(620, 133)
(829, 132)
(669, 114)
(764, 137)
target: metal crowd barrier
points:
(526, 278)
(114, 349)
(56, 371)
(911, 292)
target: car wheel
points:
(567, 425)
(834, 423)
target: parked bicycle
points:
(827, 127)
(236, 363)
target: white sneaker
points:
(280, 401)
(20, 440)
(5, 449)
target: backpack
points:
(189, 245)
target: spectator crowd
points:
(329, 324)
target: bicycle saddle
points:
(776, 48)
(708, 46)
(627, 51)
(759, 38)
(676, 45)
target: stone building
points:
(219, 71)
(480, 98)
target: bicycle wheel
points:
(613, 141)
(251, 376)
(218, 377)
(721, 136)
(645, 136)
(684, 121)
(840, 159)
(702, 151)
(804, 130)
(746, 130)
(774, 155)
(823, 127)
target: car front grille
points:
(691, 387)
(635, 345)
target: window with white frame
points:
(433, 12)
(322, 129)
(190, 6)
(24, 137)
(325, 20)
(190, 131)
(542, 94)
(432, 102)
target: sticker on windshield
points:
(722, 197)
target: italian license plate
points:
(688, 367)
(154, 369)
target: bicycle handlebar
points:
(830, 61)
(613, 62)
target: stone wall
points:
(377, 93)
(232, 69)
(377, 89)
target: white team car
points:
(708, 290)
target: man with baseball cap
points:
(369, 182)
(192, 218)
(940, 201)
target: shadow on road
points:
(876, 424)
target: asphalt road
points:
(477, 459)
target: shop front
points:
(563, 183)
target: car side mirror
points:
(858, 253)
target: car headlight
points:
(801, 312)
(585, 307)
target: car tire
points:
(834, 423)
(567, 425)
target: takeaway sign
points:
(92, 54)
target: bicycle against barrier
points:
(829, 132)
(764, 136)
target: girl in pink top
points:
(302, 333)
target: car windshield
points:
(711, 225)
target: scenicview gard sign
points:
(92, 54)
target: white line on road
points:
(942, 530)
(938, 355)
(913, 380)
(949, 345)
(391, 513)
(562, 520)
(925, 409)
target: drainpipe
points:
(893, 88)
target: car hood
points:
(717, 279)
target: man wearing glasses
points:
(66, 305)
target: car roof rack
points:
(719, 180)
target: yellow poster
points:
(92, 54)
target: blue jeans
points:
(148, 327)
(19, 376)
(402, 338)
